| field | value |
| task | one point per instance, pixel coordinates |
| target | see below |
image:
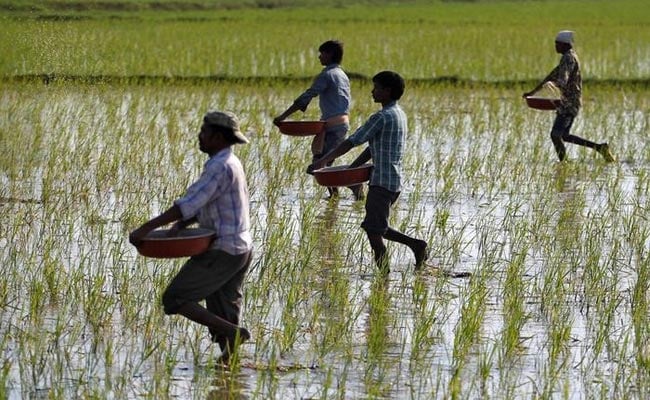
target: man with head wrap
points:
(566, 77)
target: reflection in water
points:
(379, 364)
(570, 205)
(329, 244)
(227, 389)
(228, 385)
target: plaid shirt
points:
(385, 132)
(219, 200)
(566, 76)
(332, 87)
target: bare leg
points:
(226, 333)
(419, 247)
(560, 135)
(357, 191)
(579, 141)
(379, 250)
(333, 192)
(559, 147)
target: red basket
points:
(187, 243)
(343, 175)
(301, 128)
(542, 103)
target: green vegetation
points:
(57, 6)
(491, 41)
(557, 303)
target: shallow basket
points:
(301, 128)
(542, 103)
(187, 243)
(342, 175)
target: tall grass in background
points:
(484, 41)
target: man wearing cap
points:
(218, 200)
(566, 77)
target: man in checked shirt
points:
(566, 77)
(385, 131)
(218, 200)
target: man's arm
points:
(360, 136)
(341, 149)
(180, 225)
(363, 158)
(292, 109)
(301, 103)
(549, 78)
(563, 71)
(170, 215)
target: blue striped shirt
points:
(332, 87)
(219, 200)
(385, 132)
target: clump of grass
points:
(558, 286)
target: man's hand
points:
(177, 227)
(318, 164)
(136, 236)
(170, 215)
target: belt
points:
(337, 120)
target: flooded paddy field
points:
(537, 283)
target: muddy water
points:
(80, 311)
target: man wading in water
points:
(385, 131)
(566, 76)
(218, 200)
(332, 87)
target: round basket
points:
(301, 128)
(187, 243)
(542, 103)
(343, 175)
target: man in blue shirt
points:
(385, 132)
(332, 87)
(218, 200)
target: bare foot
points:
(421, 253)
(229, 345)
(244, 334)
(333, 192)
(382, 261)
(358, 193)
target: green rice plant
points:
(425, 317)
(180, 43)
(639, 305)
(468, 329)
(515, 315)
(557, 252)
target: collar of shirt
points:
(389, 105)
(220, 155)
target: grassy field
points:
(491, 41)
(558, 253)
(557, 302)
